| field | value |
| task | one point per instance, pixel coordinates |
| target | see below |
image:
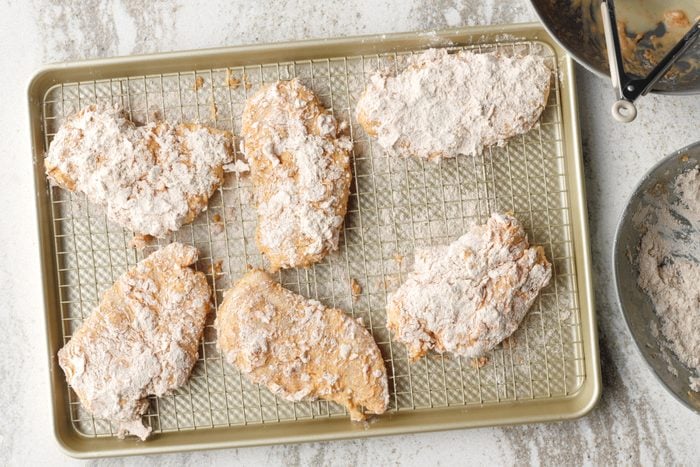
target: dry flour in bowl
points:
(669, 266)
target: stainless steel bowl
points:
(577, 26)
(636, 306)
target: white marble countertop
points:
(635, 422)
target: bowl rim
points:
(616, 276)
(589, 66)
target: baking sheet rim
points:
(589, 391)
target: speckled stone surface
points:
(636, 420)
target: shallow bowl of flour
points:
(655, 266)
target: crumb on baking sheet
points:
(478, 362)
(217, 226)
(389, 282)
(398, 257)
(155, 115)
(355, 289)
(217, 268)
(246, 83)
(140, 242)
(198, 83)
(214, 110)
(509, 343)
(231, 80)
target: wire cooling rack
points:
(395, 206)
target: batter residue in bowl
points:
(669, 266)
(648, 30)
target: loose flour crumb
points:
(355, 289)
(478, 362)
(231, 80)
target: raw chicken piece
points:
(141, 340)
(468, 296)
(298, 348)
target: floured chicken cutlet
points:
(445, 104)
(300, 168)
(151, 179)
(141, 340)
(467, 297)
(298, 348)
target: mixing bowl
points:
(577, 25)
(636, 306)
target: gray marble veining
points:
(636, 420)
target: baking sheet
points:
(547, 370)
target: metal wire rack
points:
(395, 206)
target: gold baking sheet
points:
(547, 370)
